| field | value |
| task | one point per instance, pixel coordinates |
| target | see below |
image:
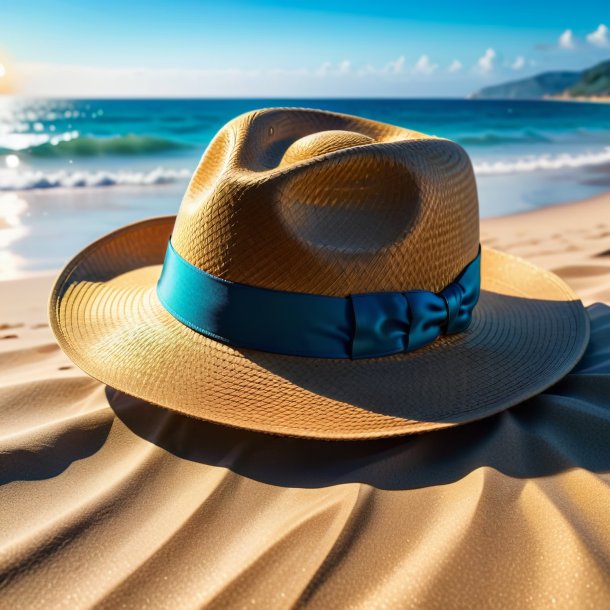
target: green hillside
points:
(592, 82)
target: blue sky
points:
(291, 48)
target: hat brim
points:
(528, 330)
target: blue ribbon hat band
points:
(315, 326)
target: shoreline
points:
(594, 99)
(570, 239)
(594, 203)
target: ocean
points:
(71, 170)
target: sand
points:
(572, 240)
(107, 500)
(588, 99)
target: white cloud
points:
(344, 66)
(327, 68)
(485, 63)
(566, 40)
(323, 69)
(519, 63)
(599, 37)
(277, 72)
(425, 66)
(455, 66)
(366, 70)
(396, 66)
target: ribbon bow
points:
(392, 322)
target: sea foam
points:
(28, 180)
(533, 163)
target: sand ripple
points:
(111, 502)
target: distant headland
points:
(591, 85)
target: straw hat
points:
(292, 214)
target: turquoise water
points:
(70, 170)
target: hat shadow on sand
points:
(526, 441)
(565, 427)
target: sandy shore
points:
(572, 240)
(588, 99)
(107, 500)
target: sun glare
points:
(6, 77)
(12, 161)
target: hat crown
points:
(324, 203)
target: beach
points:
(572, 240)
(111, 501)
(592, 99)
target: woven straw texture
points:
(317, 202)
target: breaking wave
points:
(28, 180)
(542, 162)
(494, 139)
(72, 144)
